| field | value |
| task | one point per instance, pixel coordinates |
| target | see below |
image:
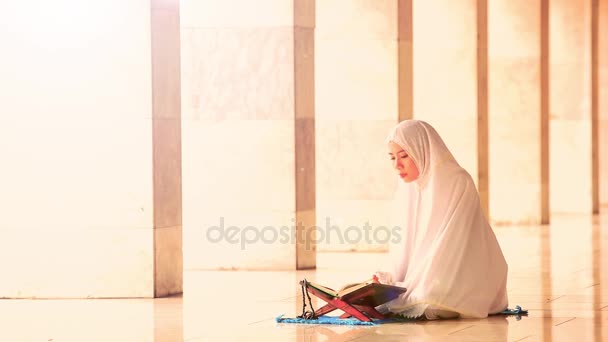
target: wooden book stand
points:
(358, 301)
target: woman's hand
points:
(384, 278)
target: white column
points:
(248, 133)
(570, 124)
(86, 211)
(514, 77)
(445, 74)
(356, 70)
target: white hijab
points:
(448, 257)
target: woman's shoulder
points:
(456, 173)
(457, 178)
(464, 175)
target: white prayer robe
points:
(448, 257)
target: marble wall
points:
(514, 110)
(79, 208)
(445, 74)
(570, 93)
(248, 133)
(356, 75)
(284, 109)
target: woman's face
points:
(403, 163)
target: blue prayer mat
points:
(340, 321)
(518, 311)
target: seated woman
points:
(448, 257)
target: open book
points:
(367, 293)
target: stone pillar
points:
(405, 63)
(166, 137)
(248, 134)
(358, 55)
(445, 74)
(515, 139)
(545, 83)
(602, 98)
(570, 123)
(89, 136)
(483, 144)
(595, 166)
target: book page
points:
(353, 287)
(324, 289)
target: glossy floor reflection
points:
(558, 272)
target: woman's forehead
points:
(394, 147)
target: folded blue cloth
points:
(517, 311)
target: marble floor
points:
(558, 272)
